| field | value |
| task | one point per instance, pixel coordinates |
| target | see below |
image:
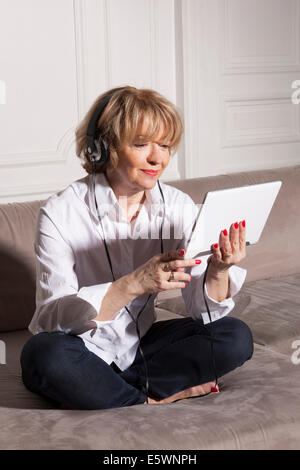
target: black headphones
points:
(98, 154)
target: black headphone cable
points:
(113, 276)
(212, 337)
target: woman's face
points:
(141, 154)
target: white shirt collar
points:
(106, 195)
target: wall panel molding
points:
(86, 16)
(234, 63)
(41, 157)
(96, 60)
(255, 119)
(65, 144)
(194, 63)
(93, 46)
(31, 193)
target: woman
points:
(90, 313)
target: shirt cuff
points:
(217, 309)
(237, 278)
(94, 295)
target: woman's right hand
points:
(152, 276)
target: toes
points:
(199, 390)
(195, 391)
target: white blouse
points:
(73, 272)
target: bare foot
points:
(196, 391)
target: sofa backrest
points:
(17, 264)
(276, 254)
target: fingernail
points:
(181, 252)
(244, 223)
(185, 284)
(198, 261)
(225, 232)
(216, 245)
(236, 225)
(214, 389)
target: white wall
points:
(240, 60)
(228, 64)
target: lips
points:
(150, 172)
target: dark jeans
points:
(178, 354)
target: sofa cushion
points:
(270, 307)
(256, 409)
(273, 314)
(13, 393)
(17, 264)
(165, 314)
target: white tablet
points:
(223, 207)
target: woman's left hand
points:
(231, 248)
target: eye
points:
(165, 146)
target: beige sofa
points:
(259, 403)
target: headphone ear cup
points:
(101, 156)
(104, 151)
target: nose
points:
(155, 156)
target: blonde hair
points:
(122, 118)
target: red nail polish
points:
(185, 284)
(236, 225)
(214, 389)
(216, 245)
(181, 252)
(244, 223)
(225, 232)
(198, 261)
